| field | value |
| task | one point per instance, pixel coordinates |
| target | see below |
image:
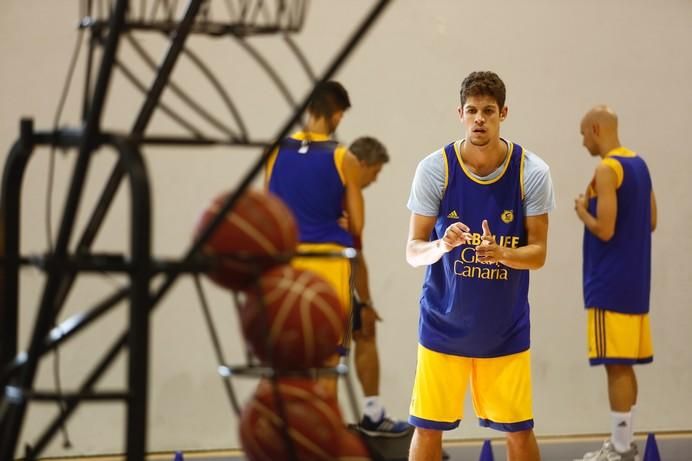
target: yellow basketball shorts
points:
(617, 338)
(336, 271)
(500, 391)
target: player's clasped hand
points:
(581, 203)
(488, 251)
(456, 234)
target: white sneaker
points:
(608, 453)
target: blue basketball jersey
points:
(468, 307)
(617, 273)
(306, 174)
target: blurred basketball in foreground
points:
(287, 416)
(351, 447)
(258, 228)
(315, 386)
(293, 320)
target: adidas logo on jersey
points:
(453, 215)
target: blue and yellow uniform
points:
(306, 172)
(617, 273)
(474, 322)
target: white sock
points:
(621, 426)
(372, 408)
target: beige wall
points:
(557, 58)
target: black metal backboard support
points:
(62, 266)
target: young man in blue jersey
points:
(479, 222)
(371, 155)
(619, 215)
(319, 179)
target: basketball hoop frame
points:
(18, 370)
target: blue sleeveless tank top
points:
(306, 176)
(471, 308)
(617, 273)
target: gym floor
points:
(672, 446)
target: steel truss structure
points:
(108, 24)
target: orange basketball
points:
(315, 387)
(311, 424)
(293, 320)
(352, 447)
(258, 228)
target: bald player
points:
(619, 215)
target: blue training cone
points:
(487, 452)
(651, 450)
(178, 456)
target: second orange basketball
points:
(293, 320)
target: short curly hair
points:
(484, 83)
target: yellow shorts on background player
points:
(618, 338)
(335, 270)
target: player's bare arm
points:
(654, 212)
(354, 195)
(361, 283)
(603, 224)
(420, 251)
(530, 256)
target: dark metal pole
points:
(13, 175)
(86, 97)
(140, 298)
